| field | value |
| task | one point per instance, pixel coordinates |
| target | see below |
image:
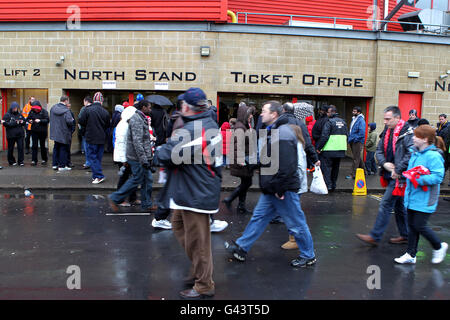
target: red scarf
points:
(397, 130)
(399, 189)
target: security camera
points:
(60, 62)
(443, 76)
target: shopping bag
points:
(318, 184)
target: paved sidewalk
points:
(45, 178)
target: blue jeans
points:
(94, 153)
(370, 162)
(60, 156)
(389, 203)
(84, 148)
(290, 210)
(139, 177)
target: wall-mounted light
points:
(205, 51)
(412, 74)
(60, 62)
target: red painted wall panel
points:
(359, 9)
(115, 10)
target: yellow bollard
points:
(360, 188)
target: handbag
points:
(318, 183)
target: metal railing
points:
(429, 28)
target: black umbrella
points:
(159, 100)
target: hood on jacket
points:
(225, 126)
(119, 108)
(59, 109)
(283, 119)
(14, 105)
(36, 106)
(309, 119)
(372, 126)
(128, 113)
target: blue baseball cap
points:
(139, 97)
(194, 96)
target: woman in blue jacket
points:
(421, 201)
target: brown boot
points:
(291, 244)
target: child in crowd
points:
(371, 147)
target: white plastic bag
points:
(318, 184)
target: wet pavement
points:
(123, 257)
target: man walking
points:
(279, 192)
(356, 140)
(96, 121)
(139, 156)
(61, 122)
(393, 153)
(331, 147)
(194, 187)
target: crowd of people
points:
(411, 158)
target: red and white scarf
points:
(397, 130)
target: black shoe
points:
(27, 152)
(227, 202)
(242, 209)
(302, 262)
(21, 164)
(237, 252)
(44, 162)
(33, 163)
(276, 220)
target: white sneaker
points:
(405, 259)
(439, 255)
(218, 225)
(65, 169)
(161, 224)
(55, 167)
(97, 180)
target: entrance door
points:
(408, 101)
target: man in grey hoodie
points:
(61, 122)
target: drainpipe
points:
(232, 15)
(386, 12)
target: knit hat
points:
(372, 126)
(126, 104)
(98, 97)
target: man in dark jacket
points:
(39, 119)
(139, 157)
(332, 146)
(393, 154)
(279, 182)
(160, 121)
(14, 123)
(441, 125)
(356, 139)
(96, 121)
(194, 186)
(61, 123)
(413, 120)
(320, 123)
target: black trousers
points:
(27, 140)
(11, 143)
(330, 170)
(417, 222)
(39, 137)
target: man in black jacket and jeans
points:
(14, 123)
(96, 121)
(279, 182)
